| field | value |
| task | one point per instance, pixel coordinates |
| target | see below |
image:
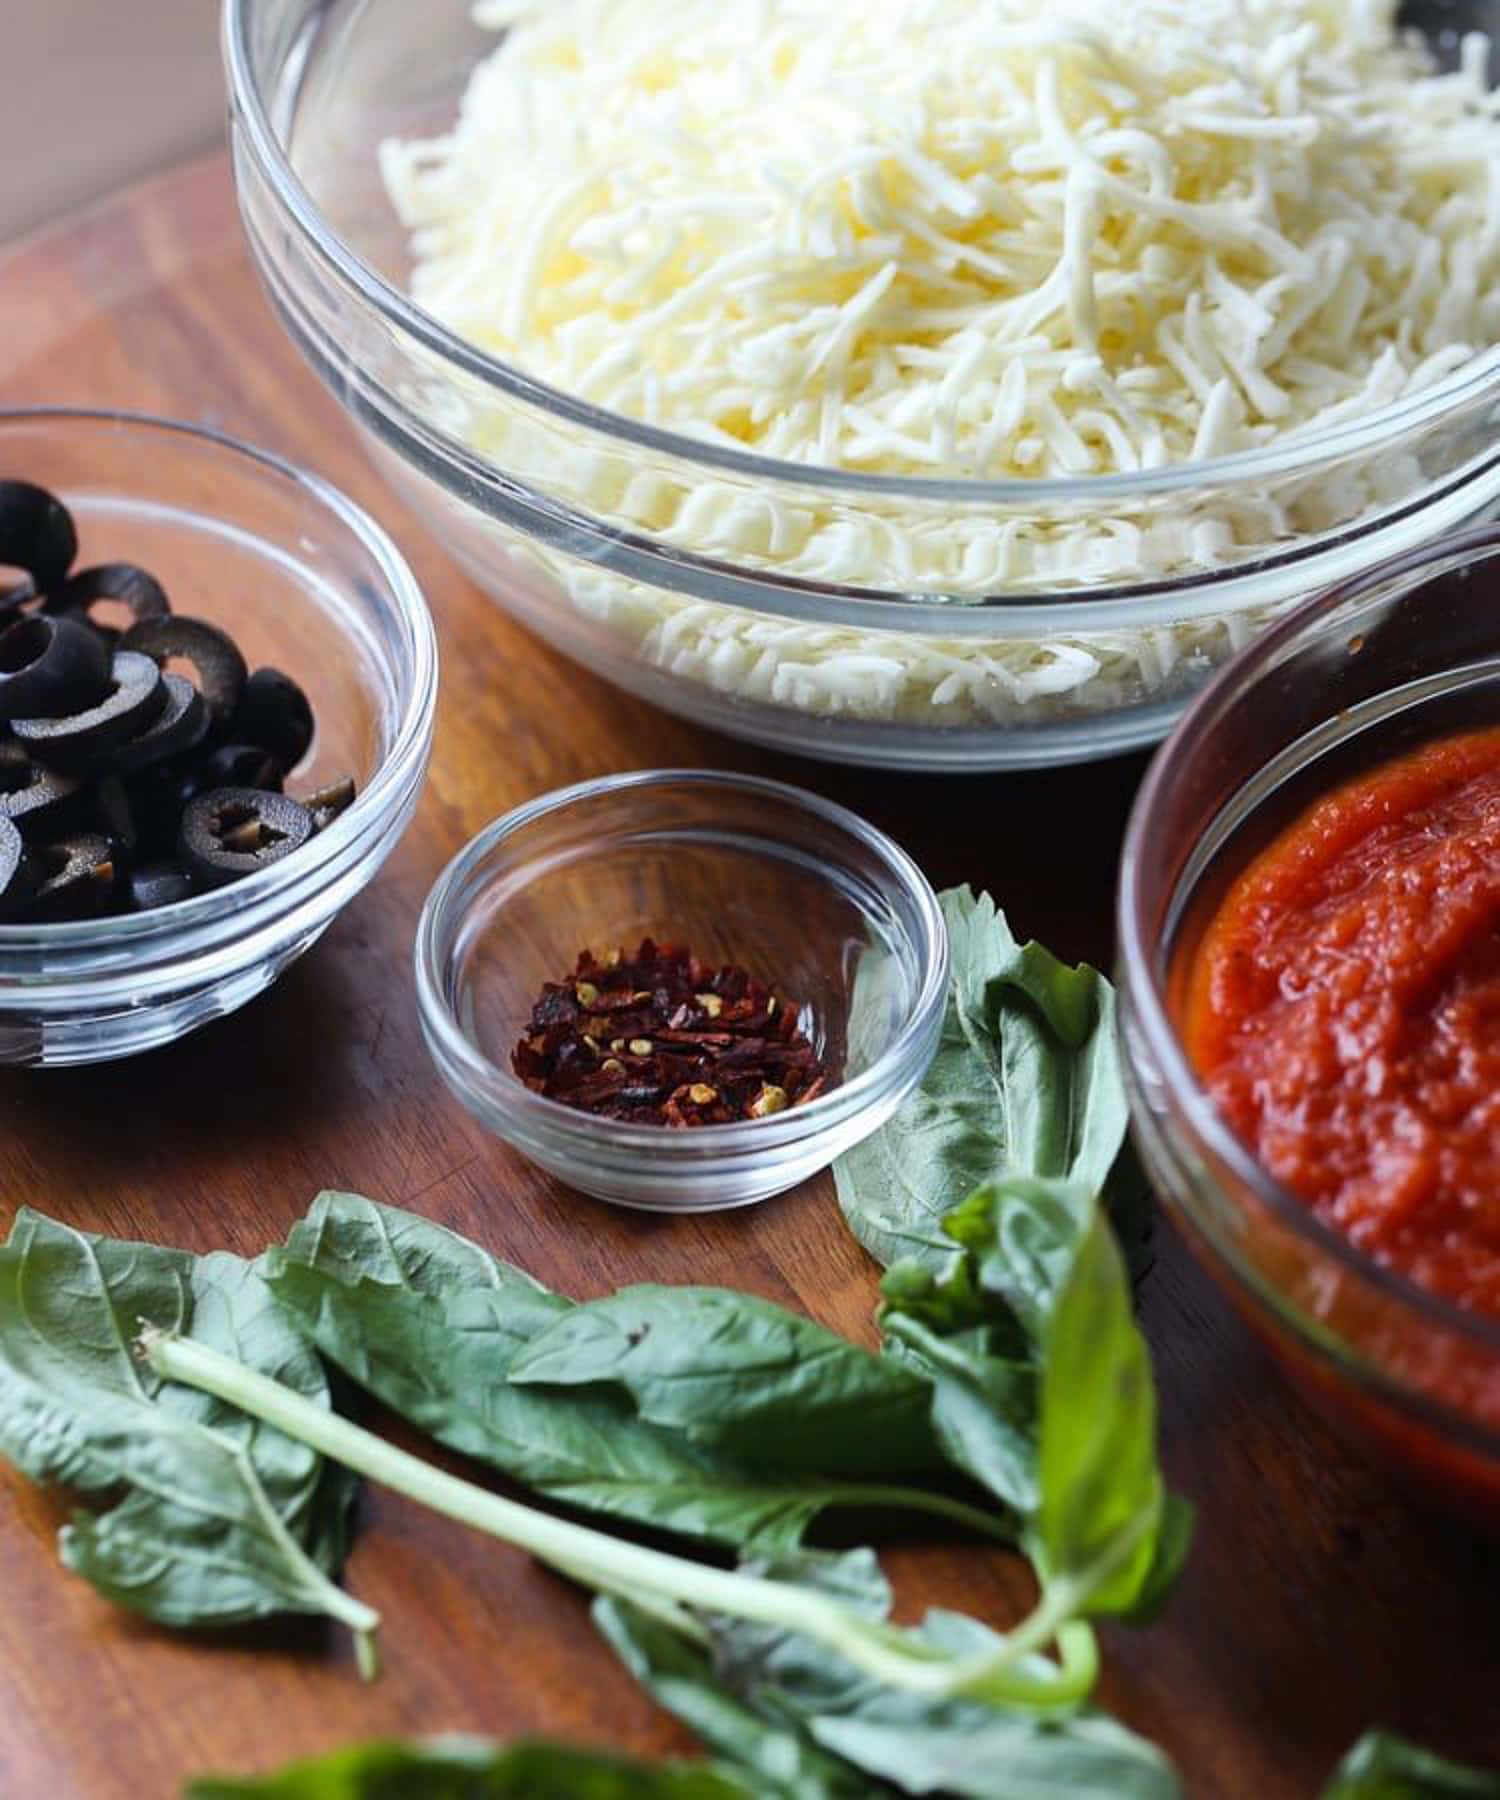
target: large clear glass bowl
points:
(1401, 655)
(553, 505)
(305, 582)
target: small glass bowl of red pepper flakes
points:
(682, 990)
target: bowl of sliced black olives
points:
(217, 683)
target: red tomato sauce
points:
(1343, 1008)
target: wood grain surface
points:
(1316, 1603)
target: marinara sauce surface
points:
(1343, 1008)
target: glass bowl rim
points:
(371, 804)
(1139, 958)
(1470, 382)
(479, 1074)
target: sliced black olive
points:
(159, 884)
(11, 852)
(114, 814)
(232, 832)
(34, 798)
(137, 697)
(181, 725)
(15, 870)
(274, 713)
(76, 878)
(213, 653)
(16, 767)
(242, 766)
(15, 597)
(123, 584)
(158, 797)
(50, 668)
(326, 803)
(36, 536)
(163, 793)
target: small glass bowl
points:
(1404, 654)
(303, 580)
(803, 894)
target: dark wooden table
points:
(1316, 1602)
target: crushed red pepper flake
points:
(659, 1038)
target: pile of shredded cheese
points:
(972, 238)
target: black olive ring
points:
(232, 832)
(77, 879)
(50, 668)
(134, 588)
(37, 536)
(213, 653)
(31, 797)
(15, 887)
(181, 725)
(276, 715)
(138, 695)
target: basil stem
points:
(613, 1565)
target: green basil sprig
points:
(445, 1334)
(1026, 1082)
(223, 1519)
(772, 1700)
(1043, 1391)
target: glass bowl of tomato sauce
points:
(1309, 912)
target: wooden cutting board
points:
(1316, 1603)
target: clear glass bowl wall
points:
(1385, 663)
(556, 508)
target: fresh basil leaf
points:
(1023, 1235)
(743, 1374)
(1099, 1522)
(223, 1519)
(984, 1408)
(433, 1325)
(1026, 1081)
(976, 1329)
(471, 1769)
(810, 1696)
(1043, 1391)
(1382, 1766)
(980, 1751)
(681, 1678)
(1174, 1539)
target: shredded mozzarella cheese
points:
(970, 238)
